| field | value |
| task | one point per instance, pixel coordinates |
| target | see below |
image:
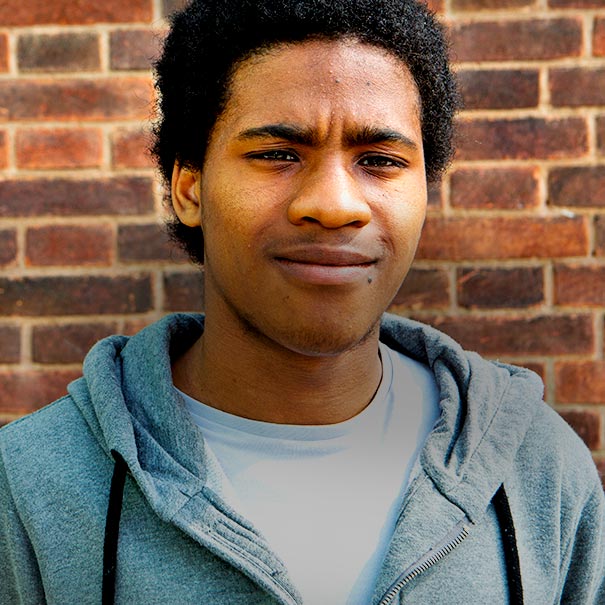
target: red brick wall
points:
(512, 261)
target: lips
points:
(326, 265)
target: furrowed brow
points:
(287, 132)
(370, 135)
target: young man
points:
(276, 451)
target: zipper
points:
(426, 561)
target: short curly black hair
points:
(210, 38)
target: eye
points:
(377, 162)
(274, 155)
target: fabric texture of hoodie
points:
(182, 542)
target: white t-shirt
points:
(327, 497)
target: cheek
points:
(403, 222)
(226, 206)
(234, 220)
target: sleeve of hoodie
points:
(20, 581)
(583, 573)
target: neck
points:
(243, 373)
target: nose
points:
(331, 197)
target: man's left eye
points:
(381, 161)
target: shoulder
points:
(39, 425)
(555, 481)
(556, 447)
(559, 500)
(52, 442)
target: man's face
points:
(312, 196)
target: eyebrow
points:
(371, 135)
(368, 135)
(288, 132)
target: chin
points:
(322, 337)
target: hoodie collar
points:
(486, 410)
(128, 399)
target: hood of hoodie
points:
(127, 397)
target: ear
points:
(185, 195)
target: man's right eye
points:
(274, 155)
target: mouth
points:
(327, 266)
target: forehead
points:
(323, 81)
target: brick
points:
(170, 6)
(577, 87)
(580, 382)
(482, 238)
(473, 5)
(586, 423)
(579, 285)
(521, 40)
(598, 37)
(3, 150)
(25, 391)
(65, 245)
(133, 49)
(131, 326)
(68, 12)
(58, 148)
(8, 246)
(522, 139)
(600, 235)
(537, 368)
(58, 52)
(578, 186)
(575, 3)
(140, 243)
(126, 98)
(520, 336)
(130, 149)
(10, 344)
(3, 52)
(67, 343)
(483, 288)
(495, 188)
(435, 194)
(184, 291)
(424, 288)
(70, 197)
(499, 89)
(75, 295)
(601, 135)
(437, 6)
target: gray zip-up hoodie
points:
(179, 541)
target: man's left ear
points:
(185, 195)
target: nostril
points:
(330, 215)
